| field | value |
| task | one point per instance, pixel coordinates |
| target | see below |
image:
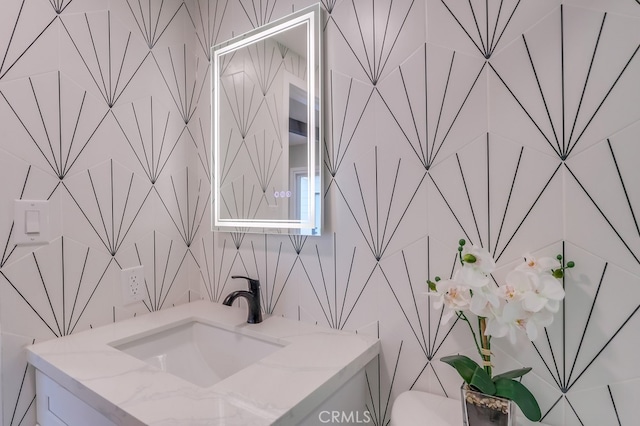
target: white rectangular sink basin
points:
(197, 352)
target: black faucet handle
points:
(254, 285)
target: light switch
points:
(32, 221)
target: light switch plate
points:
(20, 235)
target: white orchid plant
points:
(523, 305)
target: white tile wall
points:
(428, 141)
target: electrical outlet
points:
(132, 280)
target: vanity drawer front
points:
(56, 406)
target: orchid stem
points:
(486, 345)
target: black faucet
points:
(253, 299)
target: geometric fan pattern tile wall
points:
(514, 124)
(101, 111)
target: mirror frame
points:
(311, 16)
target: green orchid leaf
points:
(518, 393)
(471, 373)
(513, 374)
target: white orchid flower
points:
(471, 277)
(483, 261)
(453, 296)
(536, 290)
(538, 265)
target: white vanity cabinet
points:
(56, 406)
(88, 378)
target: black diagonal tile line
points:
(379, 413)
(393, 380)
(58, 150)
(270, 280)
(336, 154)
(613, 403)
(563, 144)
(19, 396)
(485, 43)
(420, 338)
(332, 308)
(604, 346)
(544, 101)
(586, 81)
(375, 234)
(274, 106)
(427, 150)
(7, 64)
(150, 151)
(624, 188)
(533, 121)
(560, 398)
(237, 238)
(208, 32)
(35, 311)
(466, 191)
(230, 156)
(330, 4)
(60, 5)
(202, 145)
(297, 242)
(225, 61)
(65, 323)
(434, 346)
(506, 205)
(265, 164)
(108, 77)
(212, 273)
(46, 292)
(72, 324)
(604, 216)
(266, 62)
(189, 215)
(498, 249)
(376, 56)
(242, 203)
(573, 410)
(595, 112)
(286, 280)
(526, 215)
(214, 280)
(185, 93)
(294, 63)
(555, 376)
(424, 367)
(494, 41)
(477, 25)
(567, 380)
(162, 296)
(150, 299)
(111, 241)
(148, 20)
(208, 272)
(242, 100)
(258, 12)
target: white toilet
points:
(415, 408)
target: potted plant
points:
(524, 304)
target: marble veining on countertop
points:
(282, 388)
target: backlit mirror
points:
(267, 128)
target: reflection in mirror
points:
(266, 153)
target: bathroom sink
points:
(198, 352)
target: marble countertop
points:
(282, 388)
